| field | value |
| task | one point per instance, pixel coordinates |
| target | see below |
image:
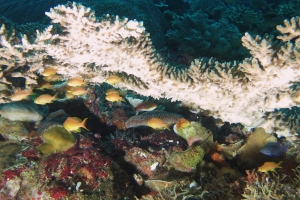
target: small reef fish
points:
(44, 86)
(157, 124)
(273, 149)
(20, 95)
(111, 91)
(113, 79)
(44, 99)
(49, 71)
(182, 123)
(269, 166)
(74, 124)
(145, 106)
(52, 78)
(114, 97)
(79, 91)
(76, 82)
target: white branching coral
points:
(233, 91)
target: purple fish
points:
(273, 149)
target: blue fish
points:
(273, 149)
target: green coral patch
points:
(56, 139)
(186, 161)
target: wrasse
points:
(113, 79)
(75, 82)
(49, 71)
(44, 99)
(145, 106)
(114, 97)
(20, 95)
(74, 124)
(269, 166)
(157, 124)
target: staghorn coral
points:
(232, 91)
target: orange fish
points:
(74, 124)
(111, 91)
(52, 78)
(75, 82)
(157, 124)
(269, 166)
(182, 123)
(114, 97)
(113, 79)
(20, 95)
(45, 85)
(145, 106)
(44, 99)
(49, 71)
(78, 91)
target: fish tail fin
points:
(55, 96)
(123, 100)
(278, 164)
(168, 128)
(83, 124)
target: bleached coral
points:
(235, 92)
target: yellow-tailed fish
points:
(69, 95)
(74, 124)
(113, 79)
(49, 71)
(20, 95)
(78, 91)
(269, 166)
(75, 82)
(44, 99)
(157, 124)
(52, 78)
(111, 91)
(45, 85)
(182, 123)
(145, 106)
(114, 97)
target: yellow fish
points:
(113, 79)
(78, 91)
(74, 124)
(269, 166)
(182, 123)
(111, 91)
(75, 82)
(45, 85)
(52, 78)
(157, 124)
(44, 99)
(114, 97)
(20, 95)
(50, 71)
(69, 95)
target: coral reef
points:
(252, 95)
